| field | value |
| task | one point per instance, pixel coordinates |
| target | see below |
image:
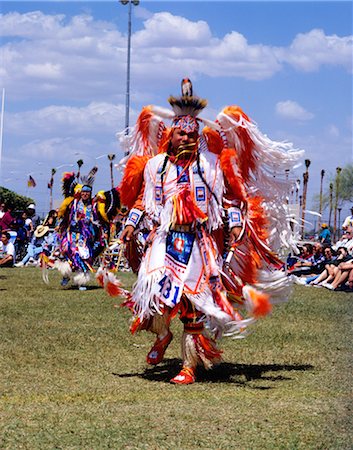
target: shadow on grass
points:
(240, 374)
(75, 288)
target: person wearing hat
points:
(33, 217)
(41, 238)
(206, 232)
(325, 234)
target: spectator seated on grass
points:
(348, 221)
(343, 275)
(41, 239)
(345, 241)
(314, 264)
(329, 273)
(7, 250)
(294, 262)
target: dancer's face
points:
(85, 196)
(180, 138)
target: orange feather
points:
(131, 184)
(259, 303)
(247, 160)
(233, 179)
(213, 139)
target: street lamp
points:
(127, 103)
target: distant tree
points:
(345, 193)
(346, 184)
(17, 202)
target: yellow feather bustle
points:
(64, 205)
(100, 197)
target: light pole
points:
(127, 102)
(111, 158)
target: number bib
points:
(168, 290)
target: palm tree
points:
(337, 183)
(331, 203)
(111, 158)
(305, 189)
(79, 164)
(50, 186)
(320, 206)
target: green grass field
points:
(72, 377)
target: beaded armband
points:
(134, 217)
(234, 217)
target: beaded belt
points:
(185, 228)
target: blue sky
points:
(287, 64)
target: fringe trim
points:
(199, 349)
(263, 164)
(81, 279)
(63, 267)
(146, 304)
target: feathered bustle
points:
(64, 205)
(214, 141)
(233, 180)
(68, 184)
(131, 184)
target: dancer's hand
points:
(235, 233)
(127, 233)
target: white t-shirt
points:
(28, 222)
(348, 222)
(8, 249)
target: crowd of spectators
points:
(23, 235)
(320, 263)
(324, 265)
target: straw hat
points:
(41, 231)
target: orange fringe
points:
(213, 139)
(165, 140)
(143, 124)
(185, 209)
(207, 346)
(131, 184)
(100, 279)
(247, 161)
(221, 300)
(233, 180)
(113, 289)
(257, 217)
